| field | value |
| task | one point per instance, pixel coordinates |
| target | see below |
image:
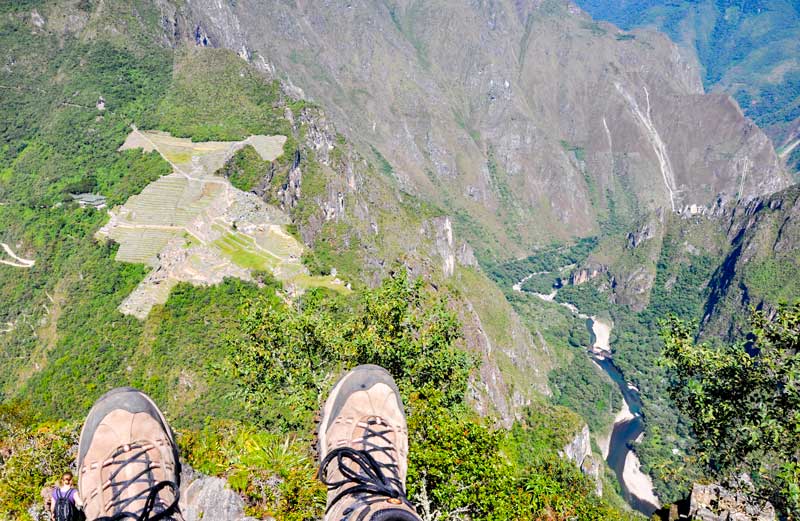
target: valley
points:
(627, 427)
(536, 221)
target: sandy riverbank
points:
(602, 335)
(639, 484)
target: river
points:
(637, 487)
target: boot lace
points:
(360, 469)
(153, 508)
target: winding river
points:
(637, 487)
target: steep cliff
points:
(760, 268)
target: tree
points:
(744, 400)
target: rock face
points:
(207, 498)
(761, 264)
(587, 273)
(646, 231)
(579, 451)
(497, 109)
(715, 503)
(441, 230)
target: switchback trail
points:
(20, 262)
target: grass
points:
(243, 251)
(178, 158)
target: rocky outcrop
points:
(716, 503)
(579, 451)
(633, 288)
(633, 270)
(205, 498)
(646, 231)
(587, 273)
(440, 229)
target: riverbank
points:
(623, 415)
(601, 336)
(627, 427)
(638, 483)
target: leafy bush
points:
(744, 401)
(398, 325)
(459, 468)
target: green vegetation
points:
(238, 367)
(594, 28)
(584, 388)
(499, 180)
(274, 473)
(744, 402)
(244, 252)
(32, 457)
(576, 382)
(232, 101)
(580, 152)
(457, 463)
(587, 297)
(384, 166)
(398, 326)
(282, 364)
(546, 260)
(246, 170)
(680, 289)
(761, 279)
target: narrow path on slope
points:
(20, 262)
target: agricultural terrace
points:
(195, 226)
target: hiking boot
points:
(128, 460)
(363, 448)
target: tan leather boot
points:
(128, 460)
(363, 447)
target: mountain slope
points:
(746, 49)
(61, 312)
(760, 268)
(526, 122)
